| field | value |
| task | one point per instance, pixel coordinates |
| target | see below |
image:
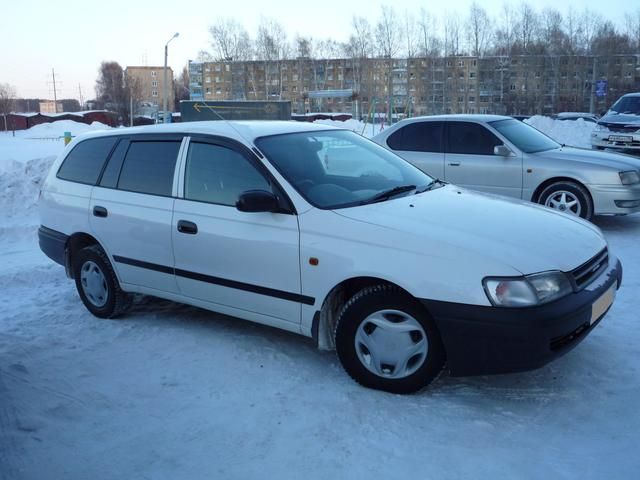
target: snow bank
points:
(20, 186)
(57, 129)
(575, 133)
(368, 130)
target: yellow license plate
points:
(603, 303)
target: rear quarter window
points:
(85, 161)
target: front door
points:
(470, 161)
(246, 261)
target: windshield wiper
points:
(385, 194)
(431, 185)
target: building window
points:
(153, 73)
(218, 68)
(227, 67)
(208, 90)
(154, 84)
(207, 80)
(154, 93)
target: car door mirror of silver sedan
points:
(502, 150)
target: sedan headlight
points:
(630, 177)
(528, 290)
(600, 128)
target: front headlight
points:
(630, 177)
(600, 128)
(527, 291)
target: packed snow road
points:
(171, 391)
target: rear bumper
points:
(482, 340)
(53, 244)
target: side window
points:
(471, 139)
(418, 137)
(217, 174)
(85, 161)
(112, 170)
(149, 166)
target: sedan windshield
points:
(523, 136)
(627, 105)
(336, 168)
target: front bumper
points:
(481, 340)
(624, 141)
(615, 199)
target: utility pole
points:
(55, 93)
(81, 99)
(592, 100)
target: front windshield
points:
(337, 168)
(523, 136)
(627, 105)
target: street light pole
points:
(164, 80)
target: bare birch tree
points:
(230, 40)
(7, 100)
(478, 30)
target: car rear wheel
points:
(386, 340)
(567, 197)
(97, 283)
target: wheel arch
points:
(324, 320)
(540, 188)
(75, 243)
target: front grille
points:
(618, 128)
(587, 272)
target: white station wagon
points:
(321, 232)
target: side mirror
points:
(502, 150)
(257, 201)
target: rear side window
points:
(149, 166)
(84, 163)
(217, 174)
(471, 139)
(418, 137)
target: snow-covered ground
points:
(174, 392)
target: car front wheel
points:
(567, 197)
(386, 340)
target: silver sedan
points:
(500, 155)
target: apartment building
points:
(151, 83)
(522, 84)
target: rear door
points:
(470, 161)
(131, 210)
(421, 143)
(249, 262)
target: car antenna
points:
(232, 126)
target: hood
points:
(527, 237)
(621, 119)
(617, 161)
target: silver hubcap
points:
(94, 285)
(564, 201)
(391, 344)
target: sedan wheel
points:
(568, 197)
(565, 202)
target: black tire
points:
(116, 301)
(355, 312)
(578, 191)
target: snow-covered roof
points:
(241, 130)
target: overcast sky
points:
(75, 36)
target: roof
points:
(467, 117)
(633, 94)
(240, 130)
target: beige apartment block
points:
(49, 106)
(151, 82)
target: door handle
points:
(454, 164)
(187, 227)
(99, 211)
